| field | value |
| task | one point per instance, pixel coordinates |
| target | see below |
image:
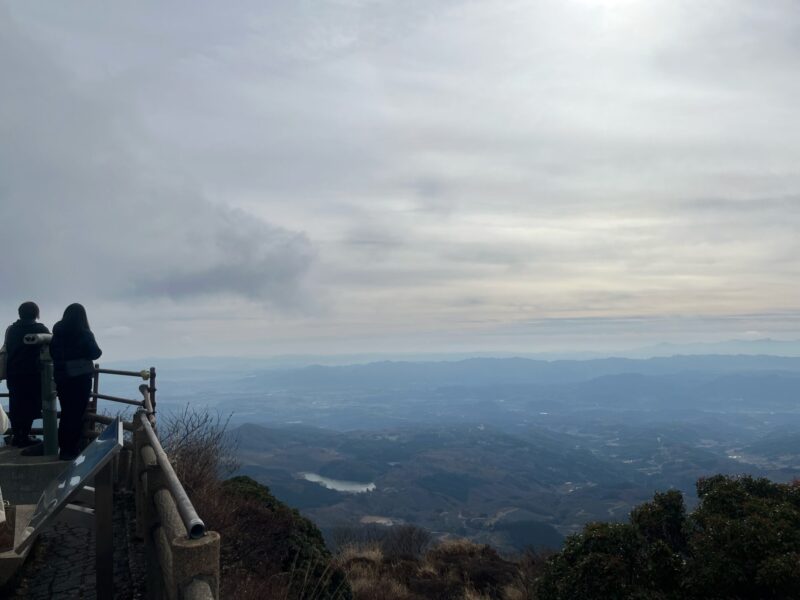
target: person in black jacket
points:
(73, 349)
(22, 373)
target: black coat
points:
(72, 345)
(23, 359)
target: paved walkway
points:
(62, 564)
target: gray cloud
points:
(240, 255)
(558, 160)
(87, 216)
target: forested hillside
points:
(741, 542)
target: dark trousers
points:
(24, 403)
(73, 394)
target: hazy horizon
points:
(759, 347)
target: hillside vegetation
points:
(742, 541)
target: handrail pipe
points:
(194, 524)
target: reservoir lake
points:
(350, 487)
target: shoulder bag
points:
(78, 366)
(3, 362)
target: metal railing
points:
(182, 556)
(191, 520)
(92, 416)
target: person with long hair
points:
(74, 350)
(22, 373)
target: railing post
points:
(148, 481)
(196, 560)
(104, 533)
(152, 482)
(125, 467)
(91, 409)
(140, 471)
(95, 388)
(184, 560)
(95, 391)
(153, 388)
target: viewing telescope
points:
(49, 407)
(37, 339)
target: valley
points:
(510, 452)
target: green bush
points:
(742, 541)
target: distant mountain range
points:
(472, 372)
(765, 346)
(759, 346)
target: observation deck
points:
(128, 528)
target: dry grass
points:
(455, 569)
(460, 547)
(355, 552)
(471, 593)
(380, 589)
(199, 447)
(369, 579)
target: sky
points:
(266, 178)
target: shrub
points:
(362, 535)
(472, 565)
(742, 541)
(530, 566)
(451, 570)
(199, 447)
(405, 541)
(268, 550)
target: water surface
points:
(350, 487)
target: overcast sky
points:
(262, 178)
